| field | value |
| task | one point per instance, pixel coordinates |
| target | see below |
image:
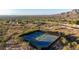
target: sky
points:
(32, 11)
(39, 4)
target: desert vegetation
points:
(13, 26)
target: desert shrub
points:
(74, 43)
(77, 40)
(64, 41)
(77, 22)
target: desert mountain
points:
(70, 15)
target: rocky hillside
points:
(70, 15)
